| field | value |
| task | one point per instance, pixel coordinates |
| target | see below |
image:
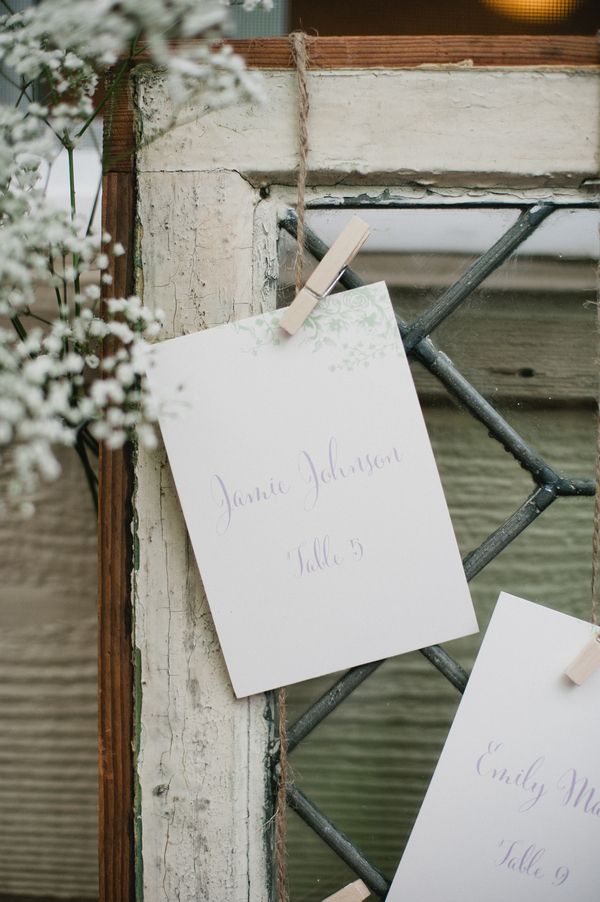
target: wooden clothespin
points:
(586, 662)
(329, 270)
(354, 892)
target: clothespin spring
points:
(330, 287)
(326, 274)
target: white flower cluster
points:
(79, 372)
(27, 47)
(78, 378)
(54, 381)
(67, 42)
(32, 231)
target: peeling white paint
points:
(201, 765)
(431, 126)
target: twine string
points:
(300, 56)
(281, 877)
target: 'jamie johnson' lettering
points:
(229, 501)
(318, 476)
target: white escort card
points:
(310, 491)
(513, 809)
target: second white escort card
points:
(513, 809)
(310, 491)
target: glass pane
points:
(526, 340)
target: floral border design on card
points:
(332, 318)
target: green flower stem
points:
(16, 84)
(89, 440)
(53, 93)
(19, 86)
(24, 93)
(40, 319)
(64, 304)
(98, 189)
(91, 478)
(94, 207)
(56, 290)
(69, 146)
(64, 308)
(115, 84)
(19, 327)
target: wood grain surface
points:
(118, 123)
(115, 708)
(368, 51)
(406, 51)
(400, 51)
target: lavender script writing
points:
(490, 766)
(317, 473)
(321, 554)
(229, 501)
(527, 859)
(318, 476)
(579, 793)
(576, 790)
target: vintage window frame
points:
(121, 858)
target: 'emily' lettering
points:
(524, 778)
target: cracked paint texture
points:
(429, 125)
(201, 761)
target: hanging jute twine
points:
(300, 57)
(281, 881)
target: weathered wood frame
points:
(563, 84)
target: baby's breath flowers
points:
(76, 378)
(68, 42)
